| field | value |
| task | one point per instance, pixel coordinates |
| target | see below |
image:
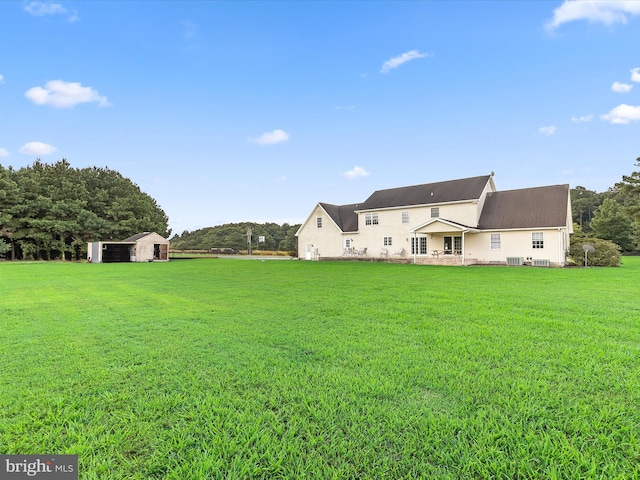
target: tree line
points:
(613, 215)
(51, 211)
(234, 236)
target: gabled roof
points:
(428, 193)
(449, 223)
(344, 216)
(537, 207)
(136, 237)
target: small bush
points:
(606, 254)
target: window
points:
(319, 222)
(405, 217)
(371, 219)
(347, 243)
(537, 240)
(435, 212)
(387, 241)
(457, 245)
(418, 246)
(495, 241)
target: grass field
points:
(285, 369)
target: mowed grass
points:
(283, 369)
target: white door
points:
(308, 251)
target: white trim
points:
(462, 228)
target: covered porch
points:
(439, 242)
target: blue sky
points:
(255, 111)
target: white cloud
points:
(395, 62)
(61, 94)
(4, 152)
(621, 87)
(356, 172)
(41, 9)
(582, 119)
(547, 131)
(607, 12)
(1, 78)
(635, 75)
(271, 138)
(37, 148)
(623, 114)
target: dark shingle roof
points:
(344, 216)
(439, 192)
(136, 237)
(526, 208)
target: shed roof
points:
(138, 236)
(428, 193)
(536, 207)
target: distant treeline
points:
(51, 211)
(234, 235)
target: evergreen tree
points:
(52, 211)
(612, 223)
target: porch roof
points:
(441, 225)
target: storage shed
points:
(142, 247)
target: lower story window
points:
(537, 240)
(387, 241)
(419, 246)
(495, 241)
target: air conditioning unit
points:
(514, 261)
(539, 263)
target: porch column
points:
(415, 246)
(462, 248)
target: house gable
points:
(440, 225)
(343, 217)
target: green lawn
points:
(284, 369)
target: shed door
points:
(164, 251)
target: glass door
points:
(452, 245)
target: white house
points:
(456, 222)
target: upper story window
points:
(319, 222)
(371, 219)
(537, 240)
(405, 217)
(496, 241)
(435, 212)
